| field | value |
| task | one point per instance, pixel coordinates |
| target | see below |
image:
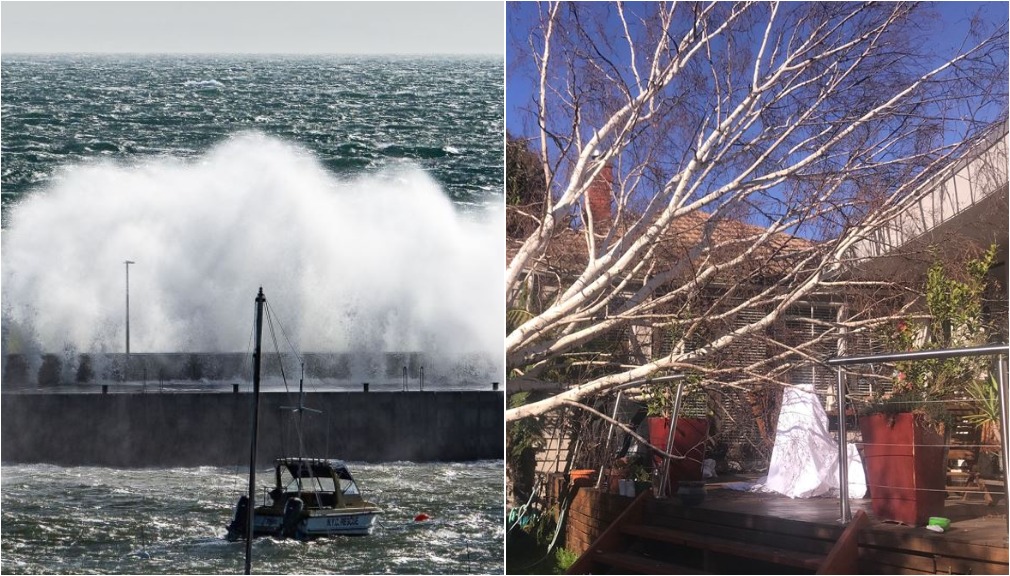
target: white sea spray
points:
(381, 262)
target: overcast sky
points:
(254, 27)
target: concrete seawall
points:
(213, 429)
(48, 370)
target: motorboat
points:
(311, 498)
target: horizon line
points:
(103, 53)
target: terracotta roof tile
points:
(567, 253)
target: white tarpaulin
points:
(805, 456)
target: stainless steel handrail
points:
(998, 350)
(988, 350)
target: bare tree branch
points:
(752, 147)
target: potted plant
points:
(984, 395)
(640, 473)
(618, 470)
(690, 435)
(636, 469)
(906, 431)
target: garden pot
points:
(905, 468)
(626, 488)
(582, 478)
(688, 440)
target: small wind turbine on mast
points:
(300, 409)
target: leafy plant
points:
(660, 396)
(640, 469)
(523, 436)
(523, 439)
(954, 319)
(525, 188)
(985, 393)
(912, 401)
(49, 372)
(84, 370)
(564, 558)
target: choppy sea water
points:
(57, 520)
(355, 113)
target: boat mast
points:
(251, 507)
(300, 409)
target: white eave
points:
(966, 202)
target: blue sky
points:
(945, 34)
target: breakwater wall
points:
(213, 429)
(23, 371)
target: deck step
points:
(627, 563)
(719, 545)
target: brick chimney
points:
(601, 194)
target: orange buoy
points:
(421, 517)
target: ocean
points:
(355, 113)
(86, 520)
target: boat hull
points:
(317, 523)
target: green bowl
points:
(939, 521)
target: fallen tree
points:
(744, 150)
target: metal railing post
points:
(674, 415)
(610, 433)
(998, 350)
(1004, 428)
(843, 452)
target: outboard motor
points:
(237, 528)
(292, 516)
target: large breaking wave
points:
(377, 263)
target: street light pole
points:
(128, 262)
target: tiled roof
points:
(568, 253)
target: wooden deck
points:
(976, 542)
(971, 521)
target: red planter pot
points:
(904, 462)
(582, 478)
(688, 440)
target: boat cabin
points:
(319, 483)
